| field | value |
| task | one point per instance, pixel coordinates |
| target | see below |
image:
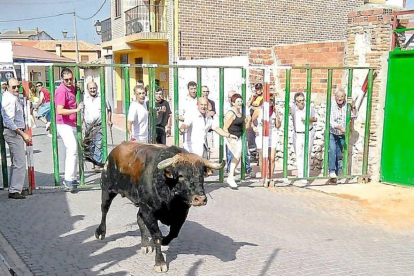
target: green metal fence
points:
(151, 70)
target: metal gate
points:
(397, 145)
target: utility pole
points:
(76, 37)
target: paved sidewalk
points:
(320, 230)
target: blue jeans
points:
(336, 148)
(229, 156)
(96, 145)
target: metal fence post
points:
(3, 152)
(79, 128)
(199, 82)
(103, 115)
(176, 109)
(286, 124)
(367, 122)
(53, 126)
(306, 152)
(152, 111)
(243, 155)
(127, 98)
(348, 124)
(221, 122)
(327, 124)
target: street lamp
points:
(65, 35)
(98, 27)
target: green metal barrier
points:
(53, 126)
(346, 172)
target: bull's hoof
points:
(147, 249)
(100, 234)
(161, 268)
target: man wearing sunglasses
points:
(298, 113)
(14, 133)
(66, 109)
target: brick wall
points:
(368, 44)
(318, 54)
(229, 28)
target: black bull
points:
(162, 181)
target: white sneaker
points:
(49, 135)
(332, 175)
(47, 126)
(232, 183)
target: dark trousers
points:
(161, 136)
(336, 149)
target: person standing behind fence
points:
(42, 108)
(196, 128)
(66, 110)
(138, 117)
(93, 122)
(163, 121)
(14, 126)
(298, 113)
(189, 105)
(275, 123)
(337, 132)
(234, 124)
(211, 104)
(229, 155)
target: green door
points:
(397, 159)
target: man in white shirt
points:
(138, 117)
(189, 105)
(196, 128)
(92, 118)
(337, 132)
(14, 127)
(298, 113)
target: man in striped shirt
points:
(337, 131)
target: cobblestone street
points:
(252, 231)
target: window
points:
(139, 72)
(124, 59)
(117, 8)
(84, 59)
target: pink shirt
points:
(67, 98)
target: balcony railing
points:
(146, 18)
(106, 30)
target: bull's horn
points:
(213, 165)
(166, 163)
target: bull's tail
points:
(90, 133)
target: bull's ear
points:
(208, 171)
(168, 173)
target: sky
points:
(23, 9)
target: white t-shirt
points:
(297, 115)
(196, 133)
(92, 108)
(188, 106)
(138, 115)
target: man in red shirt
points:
(42, 109)
(66, 109)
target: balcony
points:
(106, 31)
(146, 19)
